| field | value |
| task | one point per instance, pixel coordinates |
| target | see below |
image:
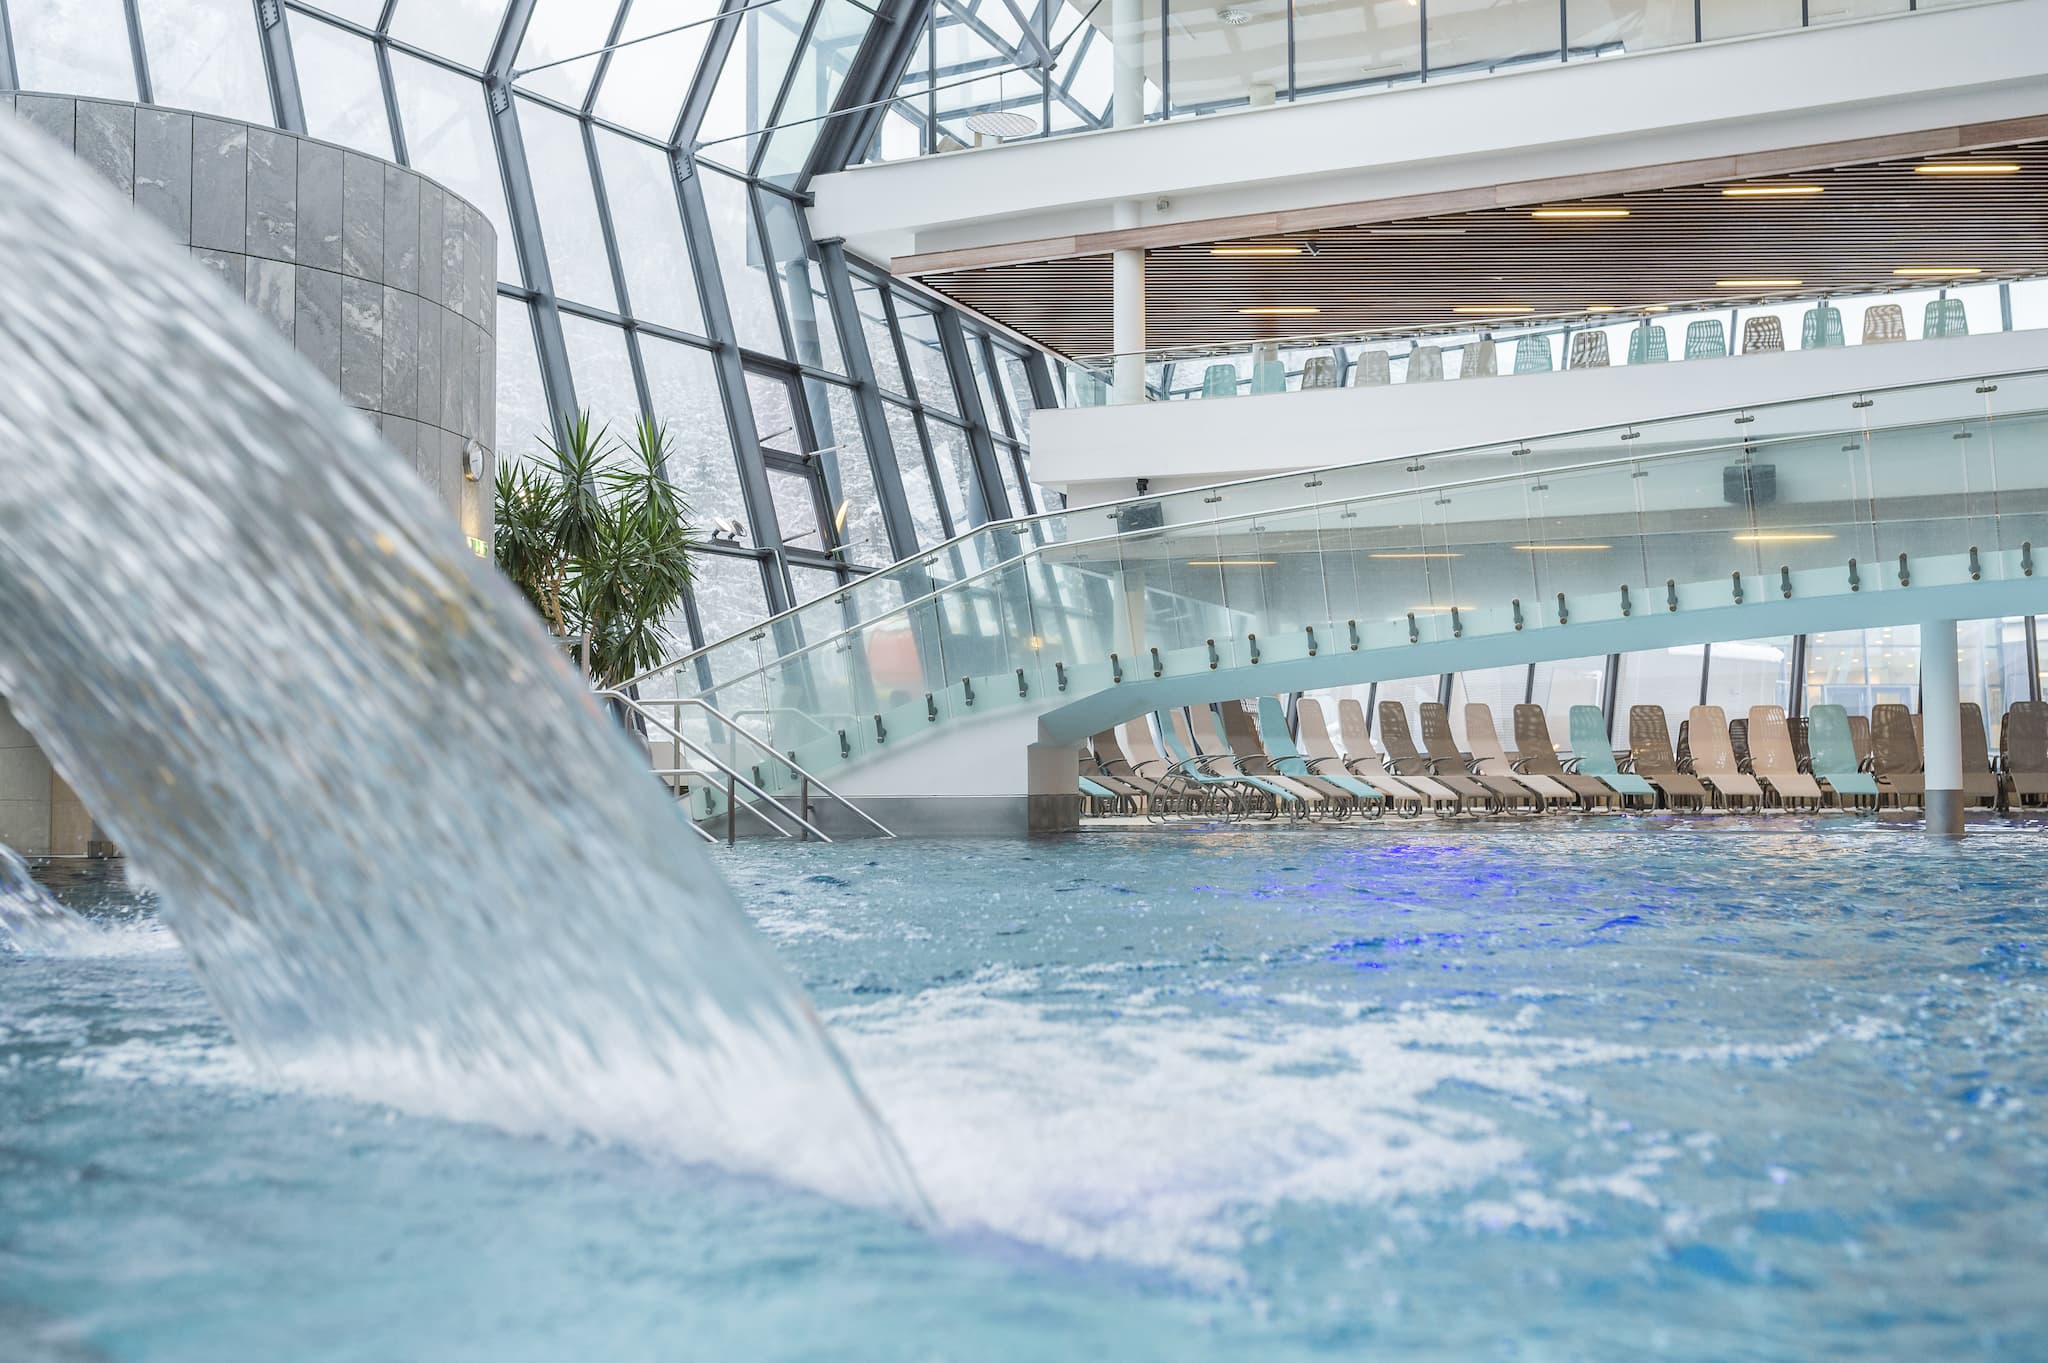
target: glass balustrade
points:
(1304, 363)
(1875, 492)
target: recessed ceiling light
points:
(1236, 18)
(1232, 562)
(1603, 307)
(1493, 310)
(1758, 283)
(1579, 213)
(1278, 311)
(1781, 537)
(1769, 191)
(1560, 548)
(1657, 307)
(1937, 271)
(1968, 168)
(1280, 248)
(1427, 553)
(1416, 231)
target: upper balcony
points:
(1606, 107)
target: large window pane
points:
(75, 47)
(874, 324)
(730, 596)
(448, 136)
(603, 373)
(341, 86)
(744, 100)
(954, 459)
(640, 186)
(559, 29)
(1410, 692)
(1666, 677)
(1992, 655)
(523, 420)
(835, 38)
(568, 206)
(849, 478)
(683, 385)
(461, 29)
(802, 286)
(644, 85)
(740, 263)
(917, 479)
(1500, 690)
(1857, 669)
(1748, 673)
(927, 360)
(1017, 386)
(1561, 685)
(206, 55)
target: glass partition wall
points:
(653, 257)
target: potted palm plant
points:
(600, 542)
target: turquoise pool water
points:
(1618, 1091)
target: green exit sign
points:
(477, 547)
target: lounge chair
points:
(1772, 761)
(1322, 759)
(1195, 779)
(1593, 755)
(2023, 751)
(1649, 750)
(1255, 763)
(1490, 759)
(1832, 759)
(1713, 757)
(1112, 762)
(1859, 738)
(1223, 761)
(1536, 758)
(1361, 751)
(1980, 782)
(1440, 745)
(1407, 760)
(1895, 754)
(1287, 760)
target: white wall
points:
(1096, 454)
(1921, 71)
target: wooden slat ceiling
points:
(1671, 249)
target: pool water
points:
(1628, 1090)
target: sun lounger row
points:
(1244, 760)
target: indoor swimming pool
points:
(1421, 1092)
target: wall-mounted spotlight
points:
(726, 530)
(473, 459)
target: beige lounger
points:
(1713, 757)
(1441, 747)
(1113, 762)
(1979, 781)
(1771, 759)
(1490, 759)
(2023, 750)
(1255, 762)
(1536, 755)
(1895, 757)
(1408, 760)
(1649, 743)
(1359, 746)
(1316, 748)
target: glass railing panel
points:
(1919, 505)
(1586, 528)
(1482, 533)
(1355, 47)
(1479, 37)
(1628, 26)
(1223, 56)
(1297, 590)
(2018, 444)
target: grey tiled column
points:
(382, 279)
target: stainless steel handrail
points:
(731, 774)
(784, 758)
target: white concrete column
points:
(1127, 268)
(25, 780)
(1942, 727)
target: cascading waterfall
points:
(408, 857)
(30, 920)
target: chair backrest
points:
(1738, 738)
(1795, 729)
(1090, 390)
(1273, 735)
(1239, 732)
(1532, 355)
(1707, 741)
(1647, 345)
(1589, 350)
(1106, 750)
(1138, 745)
(1649, 740)
(1770, 742)
(1202, 719)
(1394, 734)
(1219, 381)
(2023, 737)
(1425, 364)
(1437, 739)
(1314, 730)
(1480, 735)
(1319, 371)
(1829, 742)
(1269, 376)
(1945, 317)
(1590, 743)
(1883, 322)
(1859, 736)
(1372, 369)
(1976, 753)
(1821, 328)
(1481, 360)
(1894, 751)
(1533, 748)
(1173, 733)
(1358, 744)
(1761, 334)
(1705, 339)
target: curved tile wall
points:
(381, 278)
